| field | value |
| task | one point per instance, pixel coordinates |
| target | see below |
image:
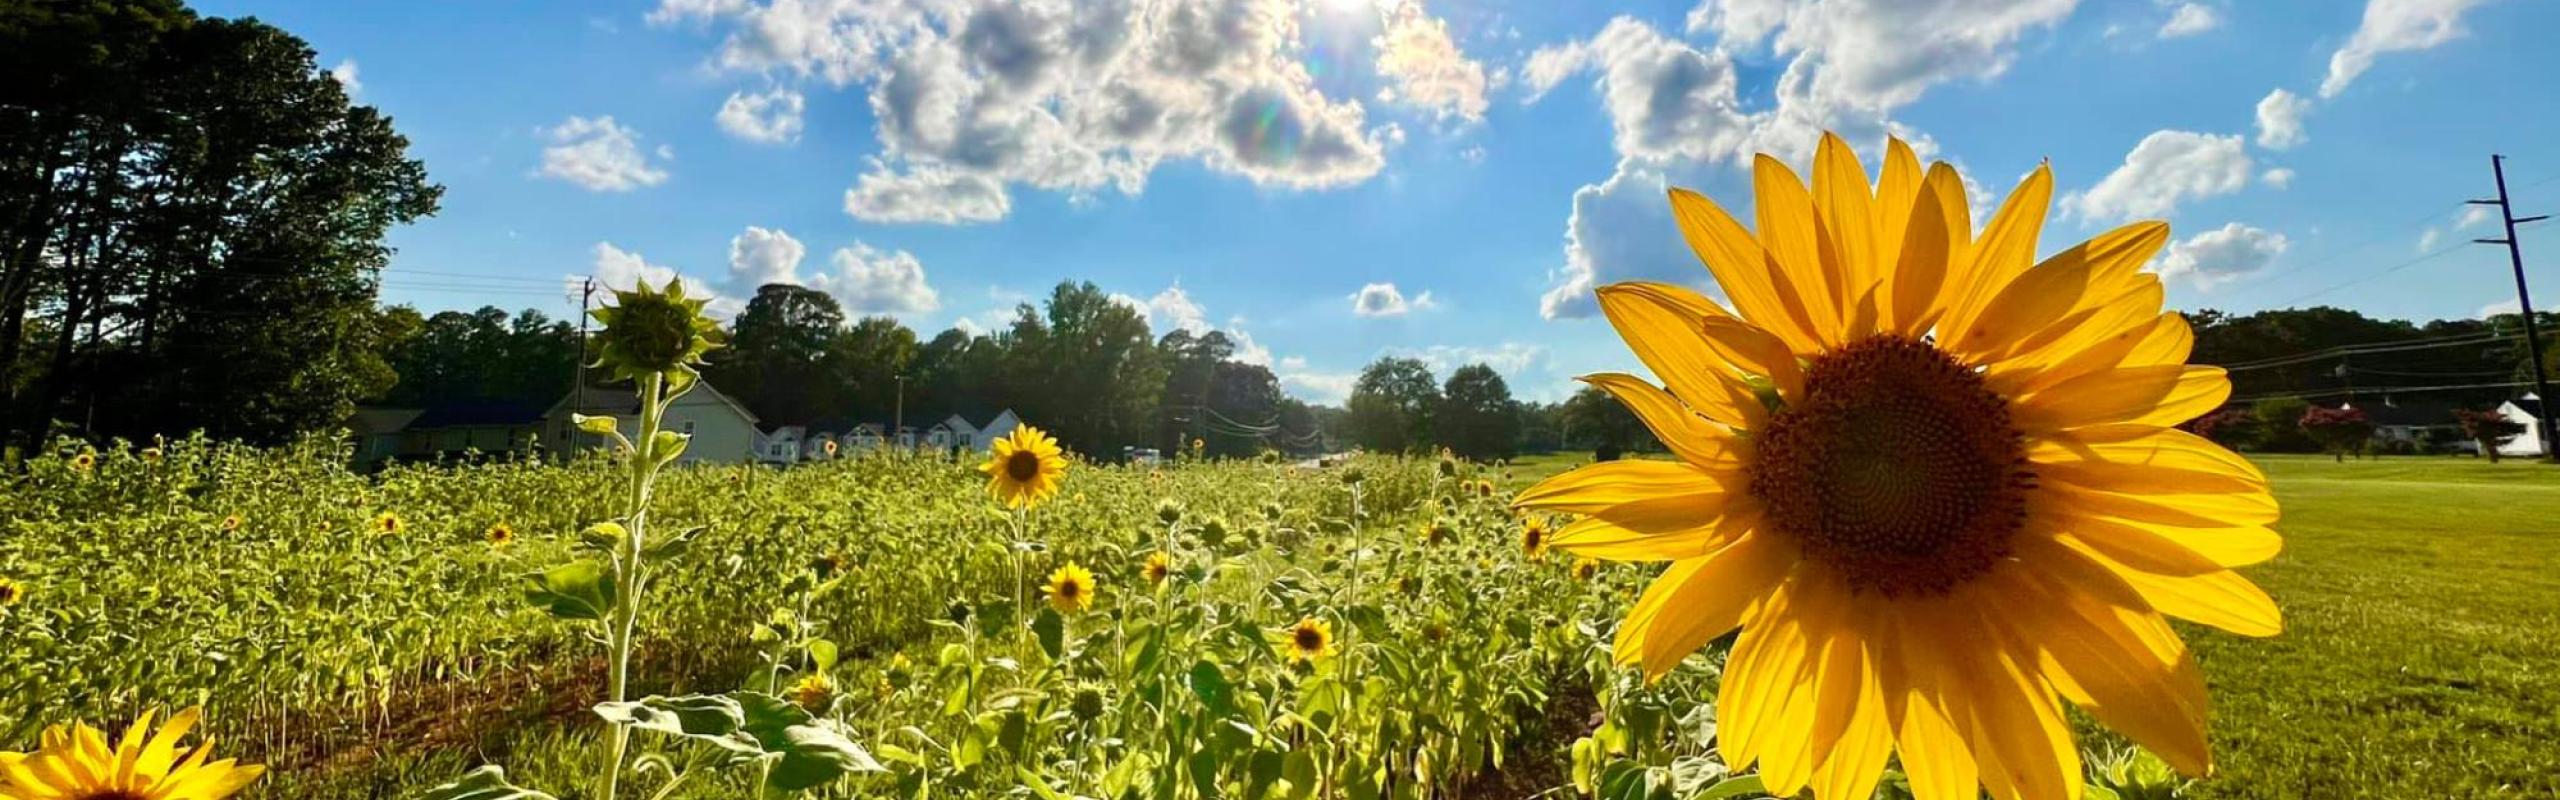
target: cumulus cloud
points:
(972, 97)
(2280, 120)
(2189, 19)
(2166, 168)
(2502, 308)
(1508, 358)
(2221, 255)
(345, 74)
(927, 194)
(2277, 177)
(1322, 388)
(869, 280)
(2429, 238)
(1425, 67)
(600, 155)
(1675, 109)
(767, 117)
(2473, 215)
(759, 256)
(624, 270)
(2392, 26)
(1385, 300)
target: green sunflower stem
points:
(622, 628)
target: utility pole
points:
(578, 366)
(2524, 304)
(898, 421)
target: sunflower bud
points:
(815, 693)
(1169, 511)
(650, 332)
(1087, 704)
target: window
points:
(688, 427)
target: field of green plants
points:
(370, 635)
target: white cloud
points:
(2473, 215)
(767, 117)
(2507, 307)
(1322, 388)
(1675, 109)
(759, 256)
(972, 97)
(2392, 26)
(2188, 20)
(2277, 177)
(1385, 300)
(1473, 154)
(1508, 358)
(345, 74)
(927, 194)
(599, 155)
(2429, 238)
(2280, 120)
(868, 280)
(2166, 168)
(1170, 309)
(1416, 54)
(2221, 255)
(624, 270)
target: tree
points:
(1243, 410)
(1477, 418)
(2280, 425)
(776, 361)
(194, 219)
(1088, 369)
(862, 367)
(1593, 418)
(2490, 429)
(2231, 427)
(1391, 405)
(2338, 430)
(484, 355)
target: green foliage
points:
(1477, 418)
(1391, 405)
(2280, 425)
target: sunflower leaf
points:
(576, 590)
(485, 783)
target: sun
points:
(1934, 482)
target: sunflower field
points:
(1247, 629)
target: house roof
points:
(381, 420)
(621, 400)
(470, 413)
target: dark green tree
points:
(484, 355)
(1477, 418)
(864, 364)
(776, 362)
(1592, 418)
(1391, 405)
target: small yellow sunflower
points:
(1310, 639)
(1435, 533)
(11, 591)
(1934, 482)
(232, 522)
(1534, 536)
(814, 692)
(1071, 589)
(1157, 568)
(1585, 567)
(78, 764)
(829, 447)
(387, 523)
(1024, 468)
(84, 461)
(500, 534)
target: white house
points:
(2526, 411)
(782, 445)
(998, 428)
(722, 430)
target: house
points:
(782, 444)
(722, 430)
(998, 428)
(2410, 426)
(952, 433)
(444, 431)
(2526, 411)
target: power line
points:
(2432, 343)
(2379, 390)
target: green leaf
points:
(599, 424)
(712, 719)
(576, 590)
(1210, 684)
(1204, 773)
(1051, 630)
(822, 653)
(1039, 785)
(485, 783)
(667, 445)
(817, 753)
(1745, 786)
(1300, 770)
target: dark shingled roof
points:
(479, 412)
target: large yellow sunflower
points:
(1071, 589)
(1932, 480)
(1024, 468)
(77, 764)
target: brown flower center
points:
(1897, 468)
(1070, 589)
(113, 794)
(1310, 639)
(1022, 466)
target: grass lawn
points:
(2421, 656)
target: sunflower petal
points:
(1668, 529)
(2006, 249)
(1697, 441)
(1591, 488)
(2072, 281)
(1851, 735)
(2121, 664)
(1933, 752)
(1934, 268)
(1697, 600)
(1740, 266)
(1761, 669)
(1662, 324)
(1757, 352)
(2160, 395)
(2018, 722)
(2221, 599)
(1846, 202)
(1791, 233)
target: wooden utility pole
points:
(2524, 305)
(578, 366)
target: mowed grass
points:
(2421, 652)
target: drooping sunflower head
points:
(78, 764)
(11, 591)
(649, 331)
(1310, 639)
(1157, 567)
(500, 534)
(1071, 589)
(814, 692)
(1024, 468)
(387, 523)
(1952, 462)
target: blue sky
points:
(1336, 179)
